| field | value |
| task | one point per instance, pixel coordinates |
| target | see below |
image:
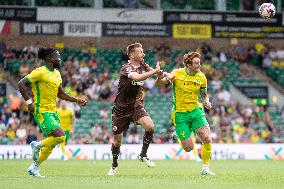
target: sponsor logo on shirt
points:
(141, 83)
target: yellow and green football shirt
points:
(45, 84)
(186, 88)
(66, 118)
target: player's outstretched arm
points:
(141, 77)
(164, 78)
(64, 96)
(25, 89)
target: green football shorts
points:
(187, 122)
(47, 122)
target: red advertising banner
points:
(5, 27)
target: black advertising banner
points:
(254, 91)
(223, 31)
(228, 18)
(145, 30)
(41, 28)
(18, 13)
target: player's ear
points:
(129, 55)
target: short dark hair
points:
(44, 52)
(131, 48)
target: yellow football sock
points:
(44, 153)
(206, 152)
(63, 148)
(52, 141)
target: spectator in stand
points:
(2, 46)
(124, 56)
(2, 124)
(15, 103)
(21, 135)
(207, 69)
(216, 83)
(31, 136)
(206, 51)
(11, 132)
(24, 69)
(223, 97)
(246, 136)
(105, 92)
(93, 64)
(4, 119)
(107, 135)
(222, 55)
(150, 85)
(133, 137)
(224, 124)
(104, 113)
(240, 53)
(14, 121)
(267, 61)
(246, 71)
(97, 133)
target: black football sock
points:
(115, 153)
(147, 139)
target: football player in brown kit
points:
(128, 104)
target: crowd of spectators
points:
(230, 121)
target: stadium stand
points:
(95, 74)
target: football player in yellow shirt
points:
(40, 89)
(67, 120)
(187, 114)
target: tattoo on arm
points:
(64, 96)
(25, 88)
(203, 94)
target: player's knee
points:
(207, 139)
(149, 127)
(188, 147)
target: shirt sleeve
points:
(35, 75)
(60, 77)
(203, 83)
(126, 70)
(147, 67)
(71, 114)
(174, 73)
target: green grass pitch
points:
(133, 174)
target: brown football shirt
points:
(130, 92)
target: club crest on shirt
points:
(197, 80)
(182, 133)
